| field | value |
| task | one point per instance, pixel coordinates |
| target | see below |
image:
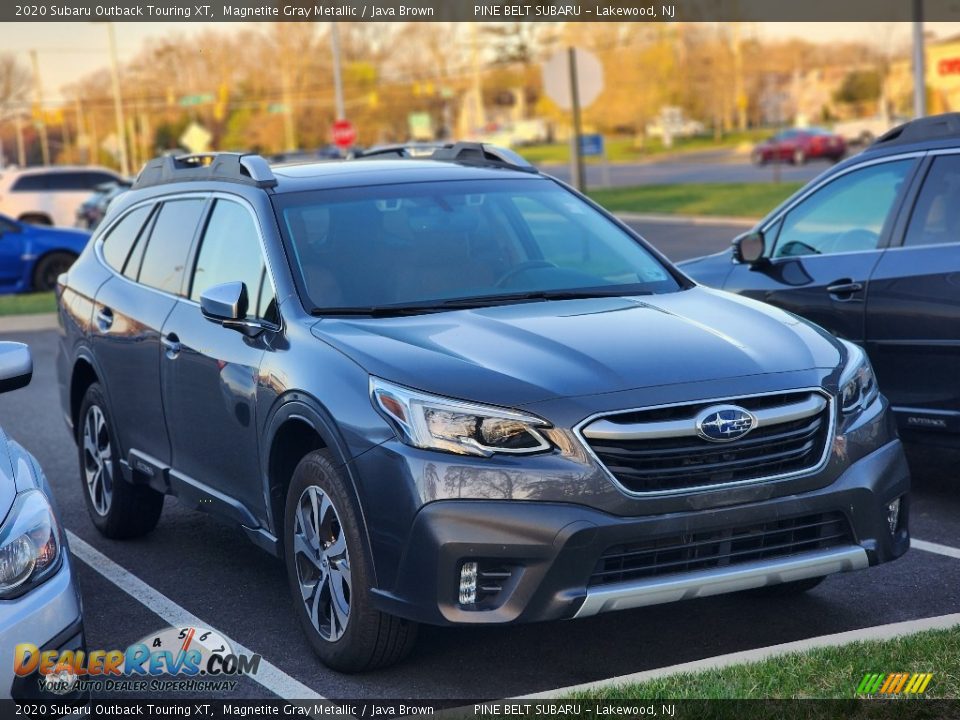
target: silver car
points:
(39, 598)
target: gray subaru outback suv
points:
(451, 390)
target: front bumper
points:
(553, 548)
(50, 618)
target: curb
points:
(688, 219)
(878, 632)
(28, 323)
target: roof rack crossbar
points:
(246, 168)
(466, 153)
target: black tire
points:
(367, 638)
(797, 587)
(120, 510)
(49, 268)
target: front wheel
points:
(330, 574)
(118, 509)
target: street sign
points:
(344, 134)
(196, 138)
(591, 144)
(556, 78)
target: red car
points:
(797, 146)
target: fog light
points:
(468, 583)
(893, 516)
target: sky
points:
(68, 51)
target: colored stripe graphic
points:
(894, 683)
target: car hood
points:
(8, 488)
(523, 353)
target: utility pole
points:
(919, 64)
(118, 102)
(38, 103)
(576, 156)
(337, 77)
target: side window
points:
(846, 215)
(36, 182)
(936, 216)
(166, 254)
(230, 251)
(67, 181)
(123, 235)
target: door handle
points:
(844, 287)
(171, 344)
(104, 319)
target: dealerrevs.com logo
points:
(187, 659)
(886, 684)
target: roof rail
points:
(934, 127)
(465, 153)
(246, 168)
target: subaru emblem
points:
(722, 423)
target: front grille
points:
(721, 548)
(685, 460)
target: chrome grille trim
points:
(579, 431)
(606, 430)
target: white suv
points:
(49, 195)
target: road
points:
(214, 573)
(699, 168)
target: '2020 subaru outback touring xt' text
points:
(453, 391)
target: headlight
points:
(858, 384)
(29, 544)
(438, 423)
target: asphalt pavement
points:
(712, 167)
(211, 571)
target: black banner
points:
(205, 11)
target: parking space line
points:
(269, 676)
(937, 548)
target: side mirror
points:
(16, 366)
(227, 305)
(749, 247)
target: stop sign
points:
(344, 133)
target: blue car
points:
(33, 256)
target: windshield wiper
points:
(486, 300)
(474, 302)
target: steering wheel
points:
(522, 267)
(853, 240)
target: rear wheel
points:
(49, 268)
(118, 509)
(330, 576)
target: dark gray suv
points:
(452, 390)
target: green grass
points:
(624, 149)
(27, 304)
(832, 673)
(731, 199)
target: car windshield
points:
(435, 245)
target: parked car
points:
(49, 195)
(871, 252)
(91, 211)
(39, 599)
(453, 391)
(32, 256)
(799, 145)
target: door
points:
(129, 312)
(913, 308)
(11, 255)
(210, 381)
(821, 252)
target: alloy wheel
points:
(323, 563)
(97, 460)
